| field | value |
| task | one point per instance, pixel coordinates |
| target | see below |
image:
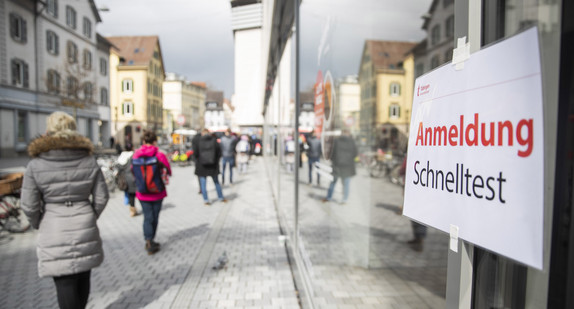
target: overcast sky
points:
(197, 40)
(195, 35)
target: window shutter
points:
(56, 8)
(25, 77)
(57, 42)
(399, 87)
(48, 40)
(24, 30)
(13, 26)
(14, 73)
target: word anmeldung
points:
(460, 181)
(475, 133)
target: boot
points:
(133, 211)
(151, 247)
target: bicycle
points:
(11, 216)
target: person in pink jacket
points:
(151, 201)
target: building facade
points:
(214, 117)
(136, 92)
(181, 97)
(50, 58)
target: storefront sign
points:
(475, 158)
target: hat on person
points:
(61, 124)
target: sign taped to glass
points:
(475, 156)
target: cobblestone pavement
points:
(246, 229)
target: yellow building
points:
(136, 77)
(386, 79)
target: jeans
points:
(346, 183)
(203, 182)
(311, 165)
(73, 290)
(227, 161)
(150, 211)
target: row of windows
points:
(19, 28)
(154, 109)
(153, 88)
(73, 88)
(449, 31)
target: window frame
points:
(72, 87)
(104, 96)
(128, 109)
(395, 89)
(72, 52)
(87, 27)
(87, 59)
(103, 66)
(435, 35)
(19, 73)
(127, 86)
(394, 111)
(52, 8)
(53, 82)
(52, 42)
(88, 89)
(18, 28)
(71, 17)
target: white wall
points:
(248, 97)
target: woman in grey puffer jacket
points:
(63, 194)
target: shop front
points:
(370, 214)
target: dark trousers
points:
(73, 290)
(150, 211)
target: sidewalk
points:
(193, 237)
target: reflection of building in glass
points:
(136, 78)
(181, 97)
(437, 48)
(214, 113)
(386, 80)
(349, 96)
(307, 115)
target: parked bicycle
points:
(11, 217)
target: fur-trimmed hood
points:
(46, 143)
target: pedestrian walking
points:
(243, 150)
(207, 158)
(125, 179)
(195, 147)
(314, 153)
(290, 153)
(343, 159)
(149, 166)
(227, 145)
(63, 195)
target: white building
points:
(50, 59)
(349, 94)
(183, 98)
(248, 96)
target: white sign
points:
(475, 158)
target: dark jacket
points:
(63, 194)
(209, 169)
(343, 157)
(314, 150)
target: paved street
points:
(257, 275)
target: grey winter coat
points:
(63, 194)
(227, 146)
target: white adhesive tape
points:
(454, 238)
(460, 54)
